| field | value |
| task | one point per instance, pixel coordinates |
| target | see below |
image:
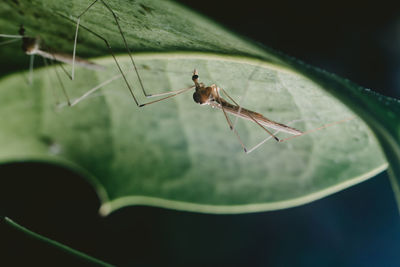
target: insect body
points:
(33, 46)
(211, 96)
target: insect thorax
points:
(203, 95)
(30, 45)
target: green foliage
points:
(177, 154)
(149, 25)
(181, 155)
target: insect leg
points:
(31, 62)
(250, 116)
(76, 37)
(125, 44)
(246, 92)
(171, 94)
(11, 36)
(230, 124)
(112, 54)
(94, 89)
(269, 137)
(294, 136)
(9, 41)
(52, 87)
(62, 85)
(318, 128)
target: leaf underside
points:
(178, 154)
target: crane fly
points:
(34, 46)
(31, 46)
(211, 96)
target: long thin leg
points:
(125, 44)
(318, 128)
(9, 41)
(127, 48)
(76, 101)
(269, 137)
(250, 116)
(11, 36)
(115, 59)
(294, 136)
(16, 38)
(60, 81)
(245, 94)
(51, 55)
(109, 49)
(169, 92)
(231, 126)
(172, 94)
(76, 37)
(94, 89)
(74, 51)
(52, 87)
(62, 86)
(31, 62)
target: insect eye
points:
(195, 77)
(196, 97)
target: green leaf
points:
(181, 155)
(148, 25)
(177, 154)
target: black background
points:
(359, 226)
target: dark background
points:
(359, 226)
